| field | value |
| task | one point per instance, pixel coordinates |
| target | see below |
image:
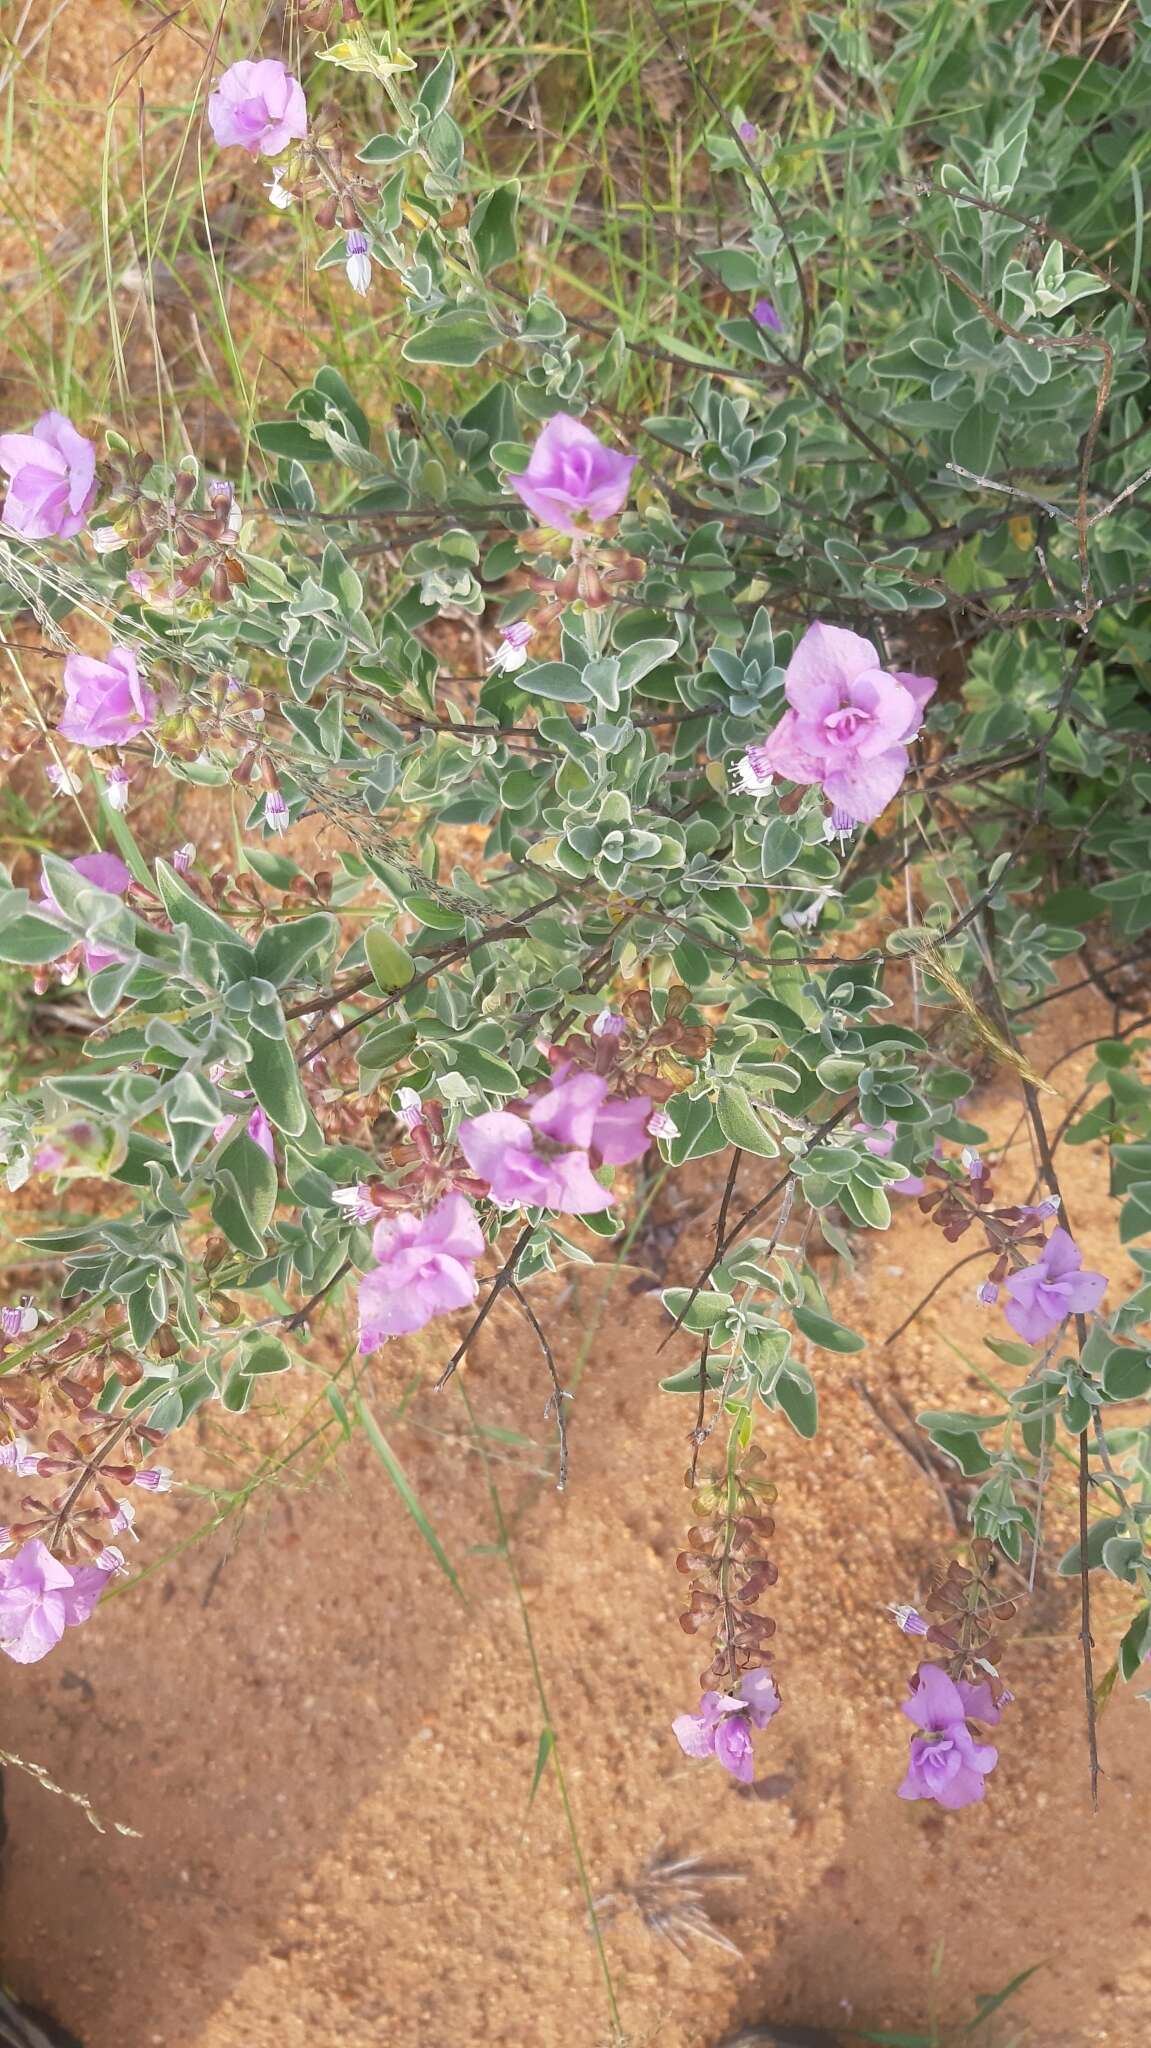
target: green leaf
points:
(390, 965)
(1127, 1374)
(265, 1353)
(185, 908)
(830, 1336)
(282, 949)
(1099, 1533)
(740, 1124)
(799, 1401)
(483, 1068)
(493, 226)
(33, 941)
(403, 1486)
(456, 340)
(244, 1207)
(271, 1074)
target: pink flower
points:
(1042, 1296)
(722, 1728)
(765, 315)
(946, 1763)
(258, 106)
(572, 472)
(105, 871)
(260, 1132)
(849, 723)
(52, 479)
(40, 1597)
(424, 1268)
(544, 1163)
(107, 703)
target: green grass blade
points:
(403, 1486)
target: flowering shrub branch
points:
(721, 714)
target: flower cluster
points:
(947, 1764)
(723, 1726)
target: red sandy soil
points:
(329, 1758)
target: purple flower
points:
(20, 1320)
(107, 704)
(514, 652)
(276, 811)
(183, 857)
(748, 132)
(765, 315)
(1042, 1296)
(722, 1728)
(572, 472)
(848, 725)
(424, 1268)
(752, 772)
(40, 1597)
(544, 1163)
(154, 1479)
(356, 1203)
(358, 261)
(258, 106)
(52, 479)
(609, 1024)
(909, 1621)
(946, 1763)
(987, 1293)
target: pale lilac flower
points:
(946, 1763)
(123, 1522)
(107, 702)
(722, 1728)
(848, 723)
(752, 772)
(154, 1479)
(987, 1293)
(277, 195)
(139, 581)
(51, 479)
(748, 132)
(184, 856)
(661, 1125)
(409, 1108)
(105, 540)
(909, 1621)
(275, 811)
(765, 315)
(20, 1320)
(19, 1457)
(40, 1597)
(356, 1203)
(609, 1024)
(1042, 1296)
(879, 1140)
(116, 784)
(425, 1267)
(358, 263)
(258, 106)
(571, 473)
(514, 652)
(63, 781)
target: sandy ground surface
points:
(329, 1757)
